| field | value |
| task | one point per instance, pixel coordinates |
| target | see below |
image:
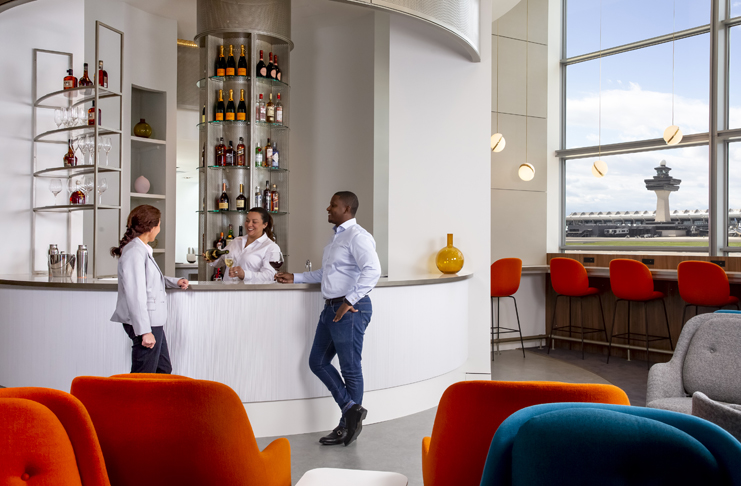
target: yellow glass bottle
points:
(450, 258)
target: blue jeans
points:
(344, 339)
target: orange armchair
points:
(48, 440)
(178, 431)
(470, 412)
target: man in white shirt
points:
(350, 269)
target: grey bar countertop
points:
(110, 284)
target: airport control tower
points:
(662, 184)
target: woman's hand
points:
(236, 272)
(148, 340)
(183, 283)
(282, 277)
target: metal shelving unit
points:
(67, 99)
(211, 220)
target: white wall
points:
(44, 24)
(439, 169)
(188, 156)
(332, 116)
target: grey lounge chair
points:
(707, 359)
(722, 415)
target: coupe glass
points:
(55, 186)
(58, 117)
(102, 187)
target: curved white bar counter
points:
(254, 338)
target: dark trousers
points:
(345, 340)
(146, 360)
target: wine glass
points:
(55, 186)
(88, 184)
(106, 147)
(65, 117)
(58, 117)
(102, 187)
(84, 148)
(73, 116)
(275, 259)
(228, 279)
(81, 114)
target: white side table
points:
(355, 477)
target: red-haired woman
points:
(142, 302)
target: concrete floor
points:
(396, 445)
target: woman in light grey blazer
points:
(142, 302)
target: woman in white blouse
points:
(251, 253)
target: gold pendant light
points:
(497, 140)
(599, 168)
(526, 171)
(672, 134)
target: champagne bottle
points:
(261, 70)
(231, 65)
(215, 253)
(271, 66)
(220, 108)
(278, 72)
(221, 63)
(230, 107)
(242, 108)
(242, 64)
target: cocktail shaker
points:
(52, 256)
(82, 257)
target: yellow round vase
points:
(450, 258)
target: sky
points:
(636, 102)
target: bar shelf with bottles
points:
(230, 111)
(77, 96)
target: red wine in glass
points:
(276, 265)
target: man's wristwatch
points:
(347, 301)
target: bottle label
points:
(276, 155)
(263, 112)
(241, 71)
(269, 154)
(241, 116)
(229, 116)
(230, 71)
(271, 113)
(258, 159)
(240, 205)
(219, 117)
(272, 73)
(223, 205)
(68, 84)
(279, 116)
(280, 76)
(263, 71)
(220, 72)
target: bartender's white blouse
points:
(254, 259)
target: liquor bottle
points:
(231, 110)
(242, 64)
(223, 201)
(271, 66)
(261, 110)
(261, 69)
(241, 200)
(276, 156)
(258, 156)
(221, 63)
(266, 196)
(214, 253)
(77, 197)
(85, 79)
(220, 108)
(203, 114)
(241, 108)
(241, 153)
(217, 276)
(229, 155)
(278, 72)
(275, 198)
(220, 159)
(270, 110)
(231, 64)
(279, 111)
(241, 233)
(203, 156)
(70, 81)
(268, 155)
(91, 115)
(258, 197)
(230, 236)
(102, 75)
(70, 159)
(220, 244)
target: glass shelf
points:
(273, 126)
(78, 131)
(225, 122)
(212, 211)
(62, 98)
(71, 207)
(238, 167)
(272, 169)
(203, 82)
(272, 82)
(55, 172)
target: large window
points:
(631, 69)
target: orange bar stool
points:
(505, 280)
(569, 279)
(704, 284)
(631, 281)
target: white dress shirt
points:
(350, 265)
(254, 258)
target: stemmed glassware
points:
(72, 116)
(58, 117)
(228, 279)
(85, 147)
(106, 146)
(275, 259)
(55, 186)
(102, 187)
(88, 184)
